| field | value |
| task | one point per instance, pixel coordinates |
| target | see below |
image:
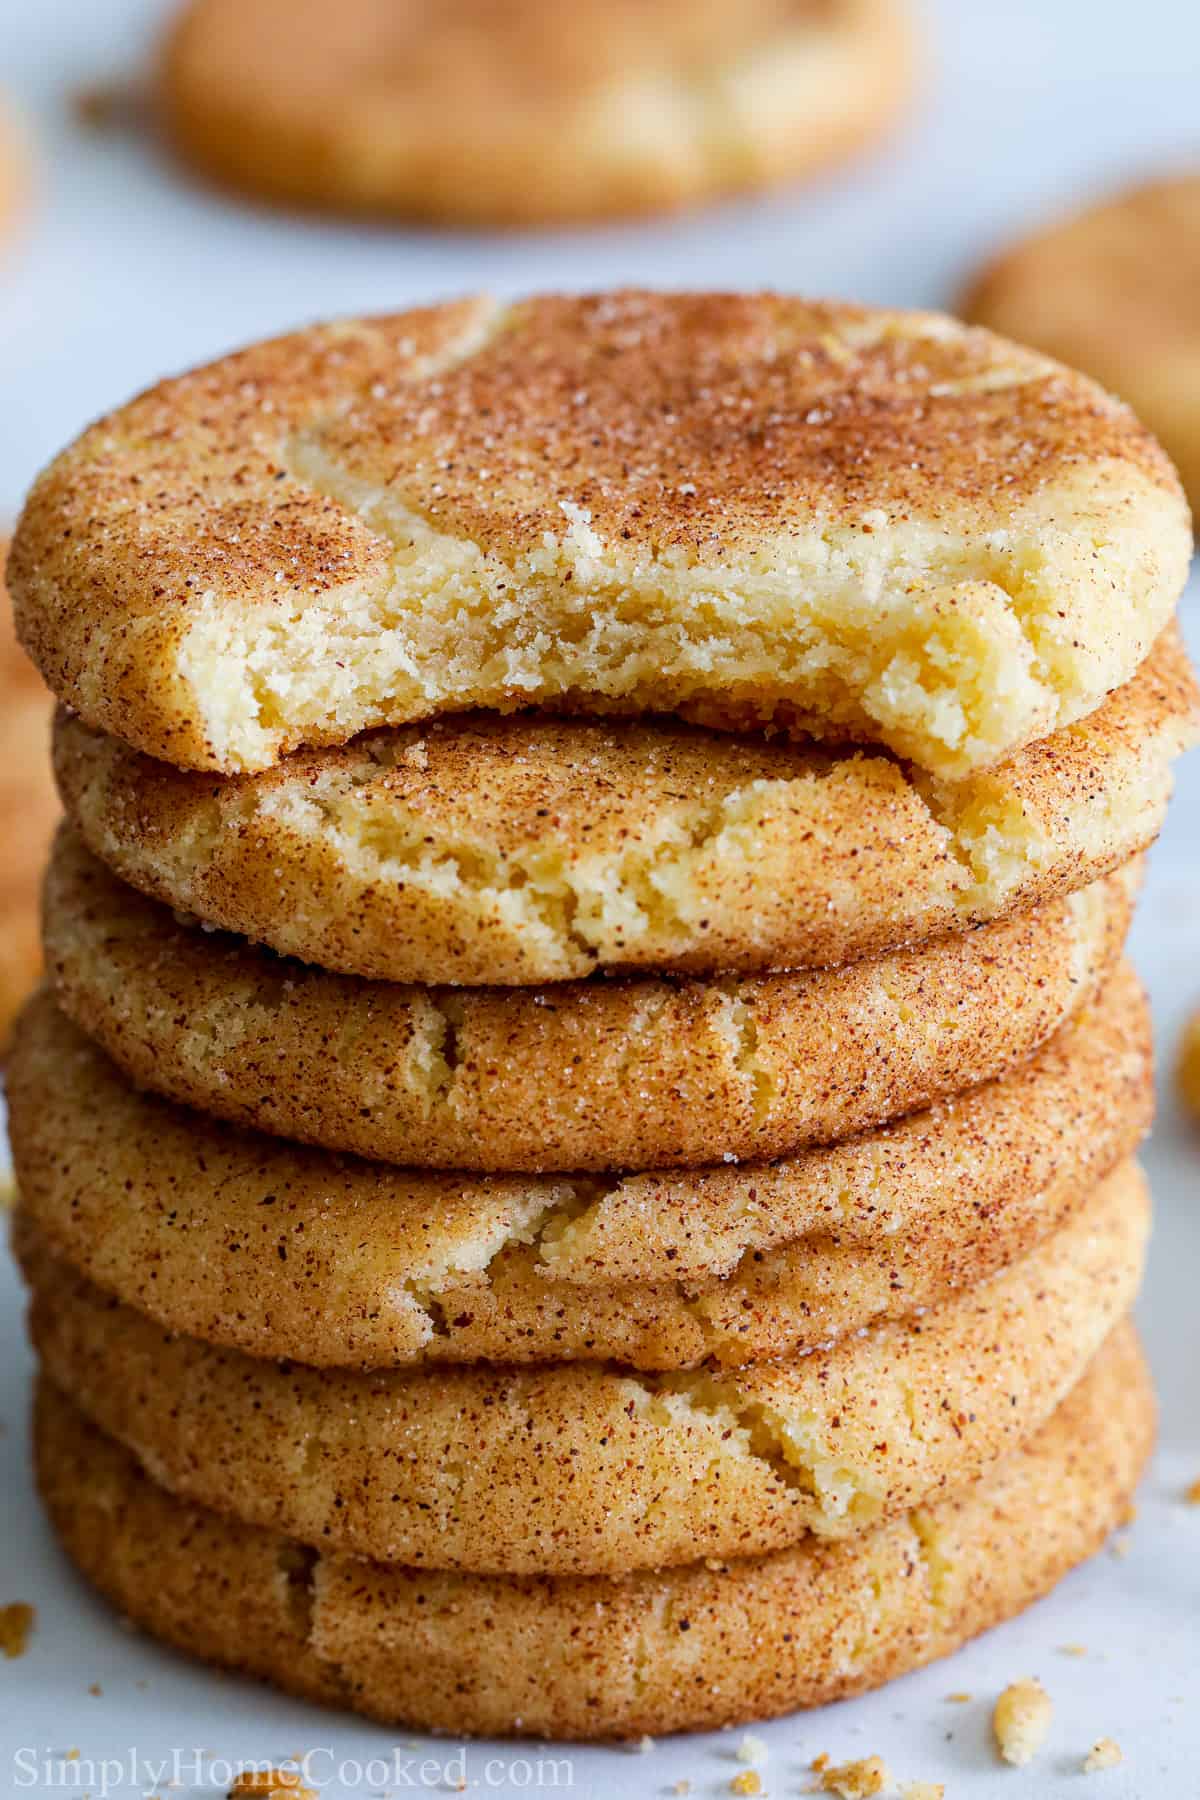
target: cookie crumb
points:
(858, 1780)
(95, 1688)
(1072, 1649)
(107, 105)
(270, 1784)
(1105, 1753)
(923, 1790)
(748, 1782)
(1192, 1496)
(820, 1762)
(644, 1746)
(682, 1787)
(16, 1627)
(960, 1698)
(751, 1750)
(1021, 1721)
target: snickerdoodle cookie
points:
(513, 851)
(585, 1468)
(525, 112)
(284, 1252)
(605, 1074)
(28, 810)
(1115, 290)
(592, 1657)
(852, 523)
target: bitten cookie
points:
(689, 1649)
(284, 1252)
(1115, 290)
(580, 1468)
(866, 525)
(527, 113)
(605, 1074)
(515, 851)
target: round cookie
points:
(624, 1074)
(584, 1469)
(515, 851)
(1113, 290)
(281, 1252)
(526, 113)
(589, 1657)
(861, 524)
(28, 809)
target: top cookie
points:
(1116, 289)
(857, 524)
(526, 111)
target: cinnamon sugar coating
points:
(1112, 290)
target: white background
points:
(126, 272)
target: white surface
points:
(128, 273)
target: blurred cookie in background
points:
(1187, 1068)
(14, 173)
(526, 112)
(29, 811)
(1115, 291)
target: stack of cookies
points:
(616, 1217)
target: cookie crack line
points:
(755, 1071)
(786, 1441)
(539, 1224)
(935, 1561)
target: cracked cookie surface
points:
(848, 523)
(284, 1252)
(691, 1648)
(512, 851)
(586, 1468)
(639, 1073)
